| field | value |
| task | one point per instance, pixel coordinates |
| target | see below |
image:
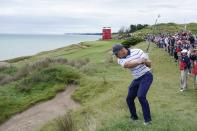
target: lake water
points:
(12, 46)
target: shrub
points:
(5, 79)
(39, 65)
(5, 74)
(51, 75)
(4, 65)
(9, 70)
(22, 72)
(132, 41)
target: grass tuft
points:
(66, 123)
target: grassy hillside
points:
(103, 89)
(169, 28)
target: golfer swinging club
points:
(139, 65)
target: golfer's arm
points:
(132, 64)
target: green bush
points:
(132, 41)
(10, 70)
(6, 73)
(17, 74)
(51, 75)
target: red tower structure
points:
(106, 33)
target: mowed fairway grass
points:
(103, 90)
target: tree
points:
(132, 28)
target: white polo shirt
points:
(133, 55)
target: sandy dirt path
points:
(41, 113)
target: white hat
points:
(184, 51)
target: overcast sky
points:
(63, 16)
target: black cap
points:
(117, 48)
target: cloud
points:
(60, 16)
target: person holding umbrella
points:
(138, 63)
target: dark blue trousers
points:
(139, 88)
